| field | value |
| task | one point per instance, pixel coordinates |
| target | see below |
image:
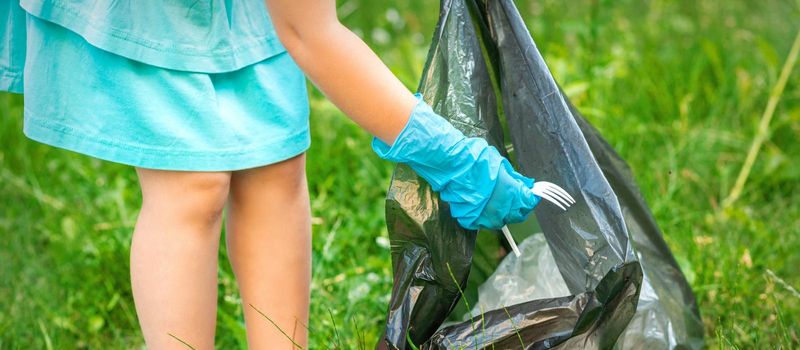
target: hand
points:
(482, 188)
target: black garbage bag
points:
(486, 75)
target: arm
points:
(482, 188)
(342, 66)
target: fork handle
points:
(510, 240)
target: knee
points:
(206, 195)
(190, 197)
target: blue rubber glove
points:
(482, 188)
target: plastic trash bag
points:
(486, 75)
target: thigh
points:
(282, 181)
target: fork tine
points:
(555, 195)
(566, 194)
(557, 189)
(552, 190)
(561, 193)
(550, 198)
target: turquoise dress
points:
(176, 85)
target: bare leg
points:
(174, 256)
(269, 245)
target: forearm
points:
(343, 67)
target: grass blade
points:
(516, 330)
(763, 125)
(181, 340)
(277, 327)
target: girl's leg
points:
(174, 256)
(269, 245)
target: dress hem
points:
(64, 137)
(11, 81)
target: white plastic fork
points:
(552, 193)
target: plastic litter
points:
(531, 276)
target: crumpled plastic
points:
(531, 276)
(625, 290)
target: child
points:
(207, 100)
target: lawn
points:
(679, 88)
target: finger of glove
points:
(528, 199)
(508, 202)
(521, 208)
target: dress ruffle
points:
(207, 36)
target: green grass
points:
(677, 87)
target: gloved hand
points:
(482, 188)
